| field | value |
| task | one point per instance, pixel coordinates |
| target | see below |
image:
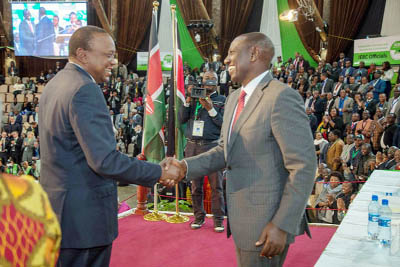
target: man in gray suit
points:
(267, 149)
(79, 160)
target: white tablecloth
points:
(349, 246)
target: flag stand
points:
(177, 217)
(155, 216)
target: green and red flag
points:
(176, 140)
(153, 135)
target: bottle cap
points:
(385, 202)
(374, 198)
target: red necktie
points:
(240, 107)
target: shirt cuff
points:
(212, 112)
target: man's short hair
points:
(213, 73)
(263, 41)
(336, 132)
(337, 174)
(82, 37)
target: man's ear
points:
(254, 53)
(81, 55)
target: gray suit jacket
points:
(79, 160)
(328, 86)
(270, 161)
(348, 104)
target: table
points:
(349, 246)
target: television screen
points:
(43, 29)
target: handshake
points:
(173, 171)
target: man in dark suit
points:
(334, 72)
(326, 83)
(58, 47)
(370, 104)
(338, 86)
(205, 66)
(342, 60)
(27, 35)
(79, 160)
(303, 63)
(318, 106)
(224, 80)
(267, 149)
(377, 85)
(44, 35)
(348, 71)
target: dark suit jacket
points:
(26, 39)
(44, 36)
(328, 88)
(371, 107)
(9, 128)
(79, 160)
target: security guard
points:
(203, 116)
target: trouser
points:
(215, 179)
(253, 259)
(88, 257)
(4, 157)
(224, 89)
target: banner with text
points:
(166, 60)
(377, 50)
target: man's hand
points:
(340, 204)
(189, 99)
(170, 176)
(274, 240)
(170, 163)
(206, 103)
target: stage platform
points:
(155, 244)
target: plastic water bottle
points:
(373, 218)
(385, 222)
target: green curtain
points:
(291, 42)
(189, 50)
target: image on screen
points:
(43, 29)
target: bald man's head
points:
(249, 55)
(261, 42)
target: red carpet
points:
(153, 244)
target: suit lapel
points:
(229, 109)
(248, 109)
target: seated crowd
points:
(354, 119)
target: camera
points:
(200, 92)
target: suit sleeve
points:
(92, 126)
(292, 133)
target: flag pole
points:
(177, 217)
(155, 215)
